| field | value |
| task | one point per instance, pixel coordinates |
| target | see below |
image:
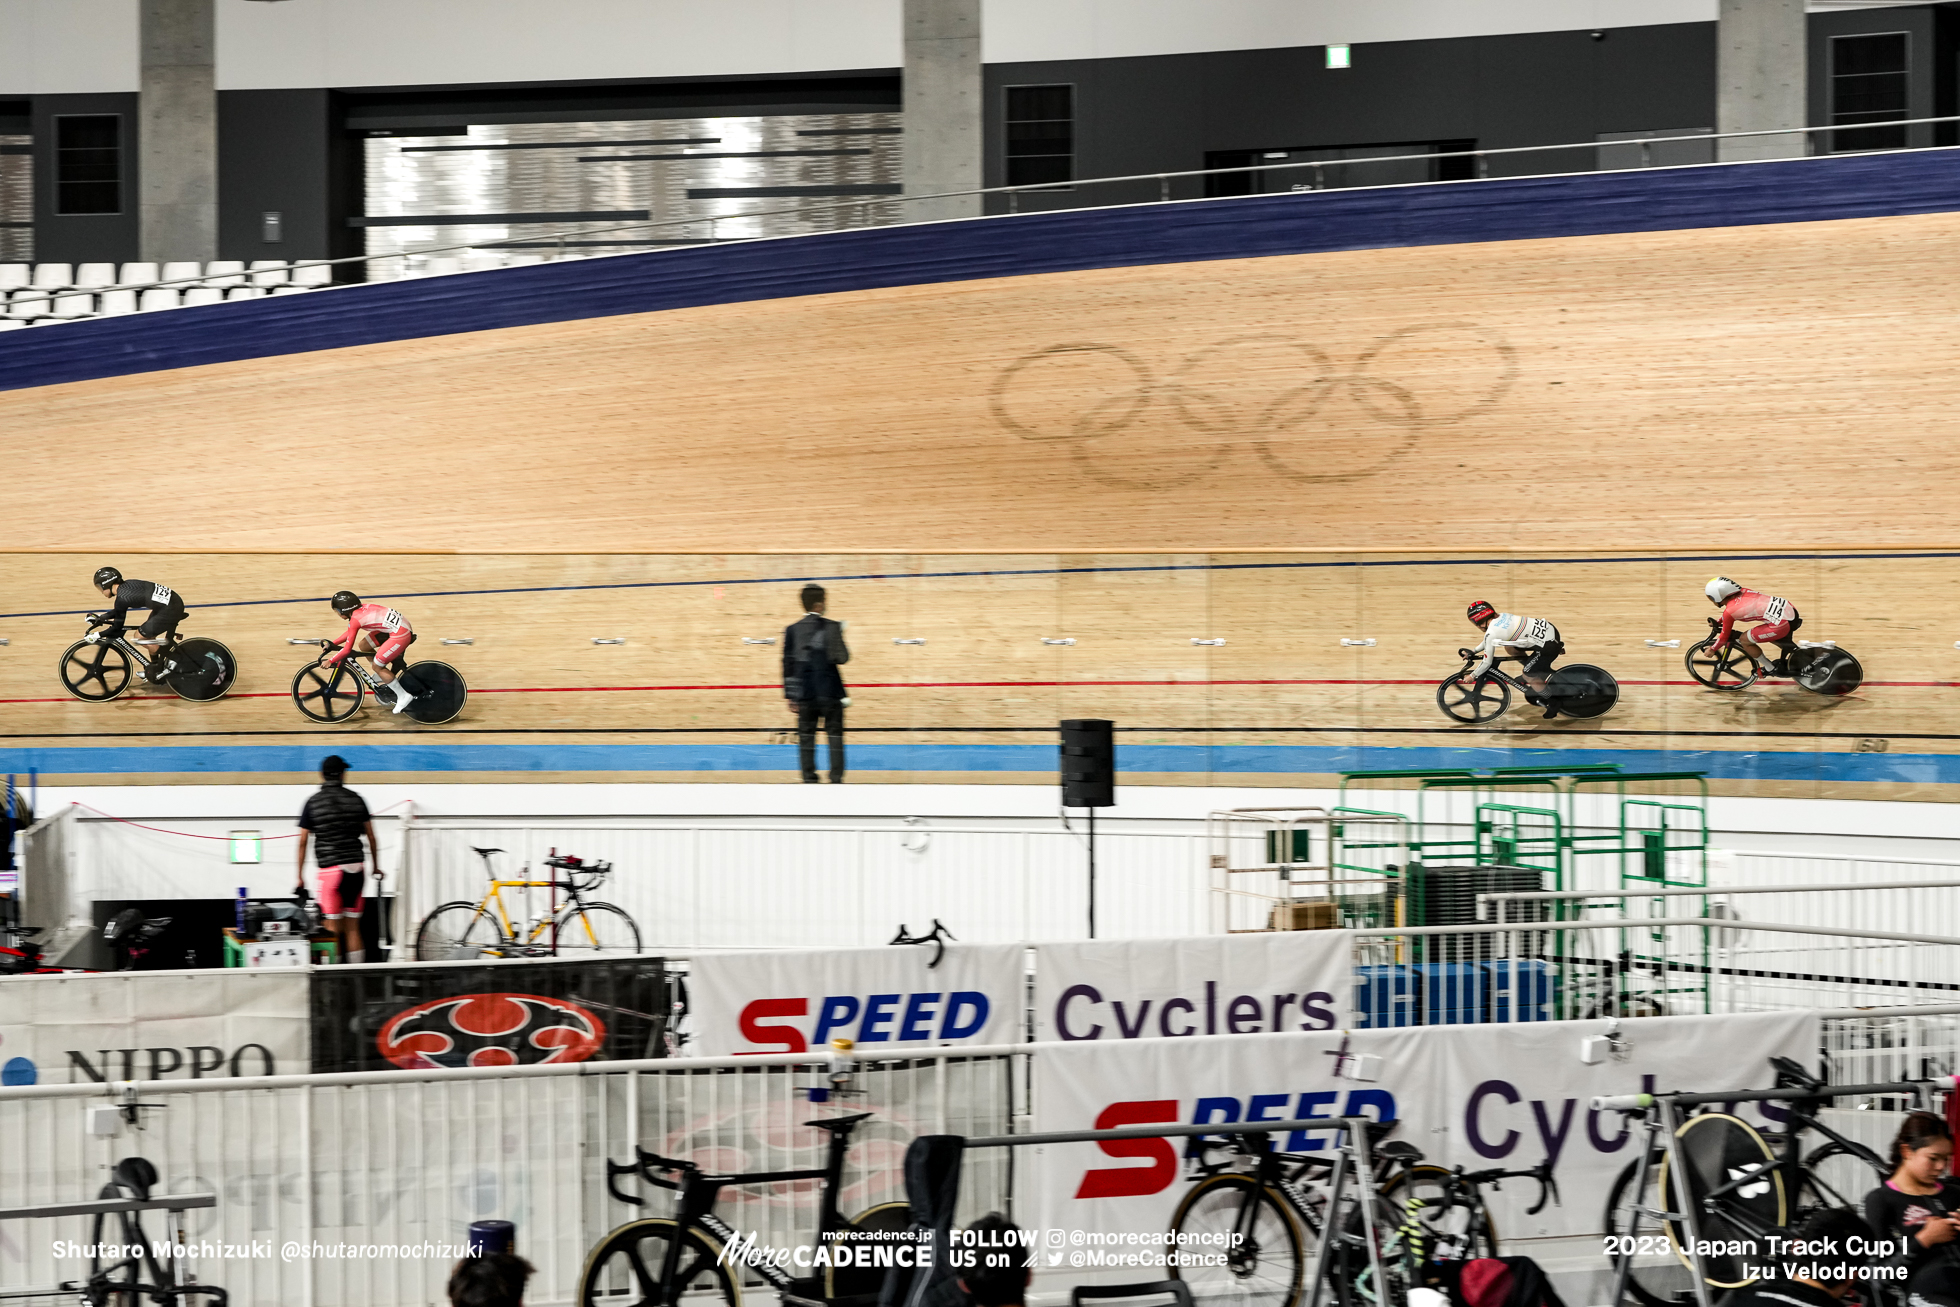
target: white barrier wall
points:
(395, 1170)
(1463, 1096)
(177, 1025)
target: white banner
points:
(1479, 1096)
(1199, 985)
(154, 1025)
(792, 1001)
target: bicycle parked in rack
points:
(660, 1261)
(95, 670)
(1275, 1205)
(574, 926)
(1444, 1216)
(123, 1283)
(1747, 1184)
(334, 694)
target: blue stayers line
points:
(1132, 759)
(1051, 571)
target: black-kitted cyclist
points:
(166, 608)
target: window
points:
(1868, 85)
(88, 163)
(1040, 135)
(1402, 163)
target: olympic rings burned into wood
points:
(1378, 382)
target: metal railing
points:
(412, 1157)
(1550, 970)
(1163, 182)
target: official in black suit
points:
(813, 649)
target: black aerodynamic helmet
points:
(345, 602)
(107, 576)
(1480, 612)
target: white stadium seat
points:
(224, 272)
(94, 276)
(443, 266)
(290, 290)
(525, 260)
(244, 293)
(13, 276)
(74, 306)
(181, 271)
(27, 304)
(313, 274)
(53, 276)
(203, 295)
(157, 297)
(483, 260)
(9, 324)
(269, 272)
(138, 274)
(114, 302)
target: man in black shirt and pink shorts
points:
(334, 819)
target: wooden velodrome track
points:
(1582, 427)
(1282, 686)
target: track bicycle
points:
(486, 929)
(1574, 690)
(1444, 1216)
(662, 1261)
(122, 1283)
(95, 670)
(1747, 1184)
(1267, 1208)
(334, 694)
(1818, 668)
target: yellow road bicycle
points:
(574, 927)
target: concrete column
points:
(943, 102)
(177, 143)
(1760, 66)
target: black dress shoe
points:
(809, 780)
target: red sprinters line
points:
(931, 685)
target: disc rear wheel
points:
(205, 670)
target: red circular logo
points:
(491, 1030)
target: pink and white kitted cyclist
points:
(1776, 623)
(379, 630)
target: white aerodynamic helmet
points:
(1721, 590)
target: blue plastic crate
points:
(1453, 993)
(1520, 990)
(1386, 996)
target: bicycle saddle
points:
(1399, 1148)
(840, 1123)
(137, 1175)
(484, 853)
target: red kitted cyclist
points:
(1776, 623)
(376, 629)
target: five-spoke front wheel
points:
(94, 672)
(328, 694)
(1469, 700)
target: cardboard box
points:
(1306, 914)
